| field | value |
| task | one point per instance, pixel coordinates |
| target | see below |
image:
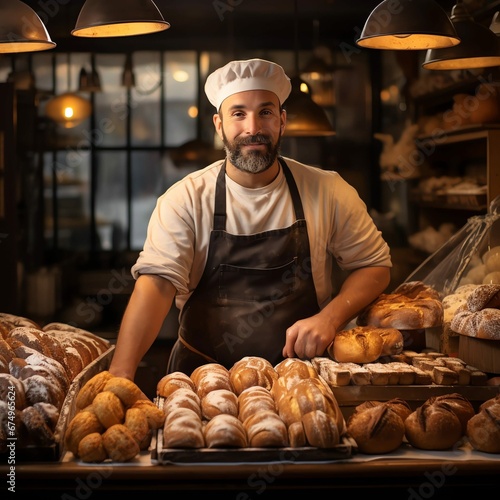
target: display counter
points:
(404, 474)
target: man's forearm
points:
(148, 306)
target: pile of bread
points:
(113, 421)
(252, 404)
(37, 366)
(441, 423)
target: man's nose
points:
(253, 125)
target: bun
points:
(119, 443)
(83, 423)
(210, 377)
(219, 402)
(173, 381)
(297, 435)
(433, 427)
(266, 430)
(91, 448)
(412, 306)
(108, 408)
(126, 390)
(137, 423)
(183, 428)
(254, 400)
(182, 398)
(225, 431)
(376, 429)
(483, 429)
(91, 388)
(251, 371)
(364, 344)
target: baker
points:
(246, 245)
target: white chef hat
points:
(253, 74)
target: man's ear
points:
(283, 120)
(217, 124)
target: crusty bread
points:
(364, 344)
(482, 324)
(483, 429)
(412, 306)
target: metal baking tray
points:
(168, 456)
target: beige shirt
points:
(338, 224)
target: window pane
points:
(147, 184)
(69, 201)
(181, 95)
(111, 104)
(111, 200)
(146, 96)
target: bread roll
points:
(109, 409)
(119, 443)
(225, 431)
(218, 402)
(459, 405)
(266, 430)
(127, 391)
(83, 423)
(183, 428)
(297, 435)
(91, 448)
(173, 381)
(182, 398)
(91, 388)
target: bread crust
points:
(412, 306)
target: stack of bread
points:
(114, 420)
(37, 365)
(252, 405)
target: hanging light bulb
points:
(68, 109)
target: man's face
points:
(251, 124)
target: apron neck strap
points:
(220, 196)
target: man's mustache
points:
(255, 139)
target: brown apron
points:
(253, 288)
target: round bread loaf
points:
(459, 405)
(209, 381)
(433, 427)
(412, 306)
(30, 337)
(38, 388)
(137, 424)
(36, 426)
(484, 297)
(243, 377)
(483, 429)
(225, 431)
(201, 370)
(376, 429)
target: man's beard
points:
(252, 161)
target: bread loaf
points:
(483, 429)
(412, 306)
(225, 431)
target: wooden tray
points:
(169, 456)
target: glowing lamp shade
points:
(305, 118)
(21, 30)
(408, 25)
(69, 109)
(478, 47)
(115, 18)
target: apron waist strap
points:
(193, 349)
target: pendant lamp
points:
(21, 30)
(68, 109)
(305, 118)
(115, 18)
(478, 47)
(408, 25)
